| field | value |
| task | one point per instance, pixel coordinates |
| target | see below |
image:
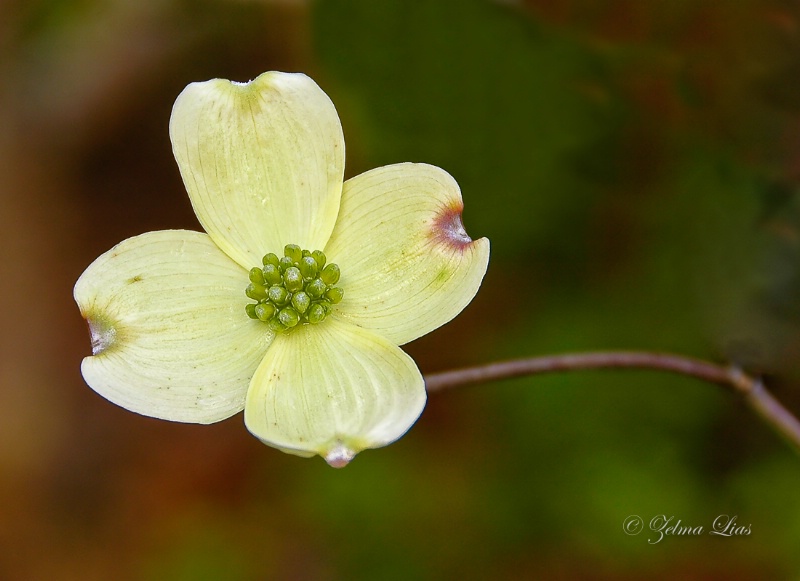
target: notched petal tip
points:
(339, 456)
(448, 228)
(102, 333)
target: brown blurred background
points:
(635, 164)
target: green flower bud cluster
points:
(293, 290)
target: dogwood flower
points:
(341, 273)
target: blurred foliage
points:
(635, 166)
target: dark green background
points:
(635, 166)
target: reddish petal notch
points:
(449, 229)
(339, 456)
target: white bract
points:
(263, 163)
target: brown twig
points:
(751, 388)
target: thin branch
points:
(751, 388)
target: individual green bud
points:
(250, 309)
(308, 267)
(285, 263)
(306, 253)
(319, 256)
(272, 274)
(292, 279)
(256, 292)
(301, 301)
(316, 288)
(257, 276)
(270, 258)
(330, 274)
(335, 295)
(289, 317)
(278, 295)
(325, 305)
(264, 311)
(316, 313)
(276, 325)
(294, 252)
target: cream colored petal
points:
(169, 332)
(408, 266)
(263, 162)
(333, 389)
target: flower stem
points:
(751, 388)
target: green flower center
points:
(297, 289)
